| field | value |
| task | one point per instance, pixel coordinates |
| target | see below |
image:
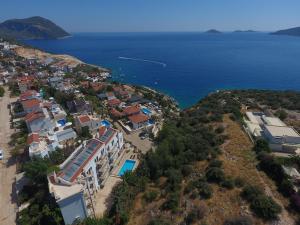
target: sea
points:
(188, 66)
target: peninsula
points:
(31, 28)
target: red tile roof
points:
(116, 113)
(131, 110)
(139, 118)
(114, 102)
(33, 137)
(84, 118)
(97, 86)
(33, 116)
(30, 103)
(27, 94)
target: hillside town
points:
(100, 128)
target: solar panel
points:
(70, 170)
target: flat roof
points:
(278, 131)
(273, 121)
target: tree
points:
(250, 192)
(261, 146)
(85, 132)
(282, 114)
(215, 174)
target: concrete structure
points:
(280, 137)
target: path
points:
(7, 167)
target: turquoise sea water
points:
(188, 66)
(127, 166)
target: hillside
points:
(31, 28)
(203, 168)
(291, 32)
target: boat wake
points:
(143, 60)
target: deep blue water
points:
(188, 66)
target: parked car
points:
(1, 154)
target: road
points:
(7, 167)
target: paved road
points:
(7, 168)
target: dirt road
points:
(7, 167)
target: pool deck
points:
(102, 200)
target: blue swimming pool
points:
(146, 111)
(127, 166)
(105, 123)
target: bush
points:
(242, 220)
(150, 196)
(159, 222)
(261, 146)
(265, 207)
(251, 192)
(228, 183)
(172, 202)
(215, 174)
(205, 191)
(215, 163)
(219, 129)
(186, 170)
(196, 214)
(2, 91)
(239, 182)
(295, 202)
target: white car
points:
(1, 154)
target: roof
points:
(30, 103)
(114, 102)
(116, 113)
(106, 134)
(273, 121)
(33, 137)
(73, 169)
(130, 110)
(276, 131)
(66, 135)
(110, 94)
(84, 118)
(34, 116)
(139, 118)
(27, 95)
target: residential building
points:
(91, 122)
(79, 106)
(39, 121)
(84, 173)
(139, 121)
(31, 105)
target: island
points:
(291, 32)
(31, 28)
(213, 31)
(244, 31)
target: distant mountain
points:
(244, 31)
(292, 32)
(31, 28)
(213, 31)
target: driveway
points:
(7, 167)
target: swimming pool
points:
(146, 111)
(105, 123)
(127, 166)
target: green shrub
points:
(215, 174)
(172, 202)
(228, 183)
(219, 129)
(261, 146)
(241, 220)
(215, 163)
(251, 192)
(239, 182)
(206, 191)
(150, 196)
(186, 170)
(265, 207)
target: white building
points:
(84, 173)
(279, 135)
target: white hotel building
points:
(84, 173)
